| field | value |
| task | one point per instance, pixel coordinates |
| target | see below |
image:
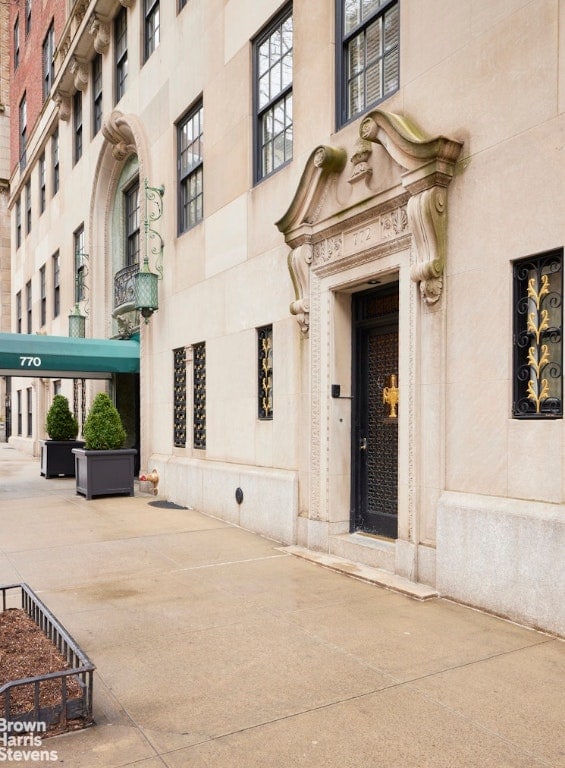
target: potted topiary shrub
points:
(57, 459)
(103, 467)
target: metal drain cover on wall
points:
(165, 505)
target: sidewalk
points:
(216, 648)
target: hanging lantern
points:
(77, 324)
(146, 291)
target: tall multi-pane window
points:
(265, 372)
(28, 206)
(152, 26)
(18, 222)
(19, 412)
(29, 401)
(538, 336)
(23, 131)
(121, 52)
(28, 17)
(19, 326)
(55, 160)
(199, 395)
(131, 196)
(77, 125)
(190, 165)
(80, 264)
(56, 284)
(368, 54)
(96, 94)
(43, 295)
(48, 59)
(28, 306)
(273, 95)
(179, 397)
(17, 42)
(41, 176)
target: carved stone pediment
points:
(417, 205)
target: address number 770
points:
(30, 362)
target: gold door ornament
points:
(390, 396)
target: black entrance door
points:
(375, 434)
(127, 402)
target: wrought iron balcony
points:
(124, 289)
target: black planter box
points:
(57, 459)
(104, 473)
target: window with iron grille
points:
(28, 206)
(132, 224)
(28, 306)
(199, 395)
(43, 295)
(56, 285)
(179, 397)
(368, 54)
(55, 160)
(538, 334)
(190, 168)
(265, 372)
(23, 131)
(42, 193)
(17, 42)
(19, 312)
(18, 222)
(96, 94)
(77, 125)
(80, 264)
(48, 61)
(272, 79)
(152, 26)
(29, 399)
(121, 48)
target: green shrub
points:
(103, 430)
(60, 424)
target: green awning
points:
(63, 357)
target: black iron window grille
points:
(29, 400)
(190, 165)
(179, 397)
(20, 433)
(199, 395)
(265, 372)
(368, 55)
(79, 401)
(538, 333)
(273, 51)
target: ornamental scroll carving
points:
(429, 165)
(101, 31)
(79, 70)
(116, 130)
(63, 102)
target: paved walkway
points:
(215, 647)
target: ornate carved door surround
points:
(388, 214)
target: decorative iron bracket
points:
(154, 195)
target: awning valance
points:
(63, 357)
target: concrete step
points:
(363, 572)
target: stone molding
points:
(117, 130)
(63, 101)
(419, 208)
(79, 69)
(101, 31)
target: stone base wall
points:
(504, 556)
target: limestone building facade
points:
(354, 212)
